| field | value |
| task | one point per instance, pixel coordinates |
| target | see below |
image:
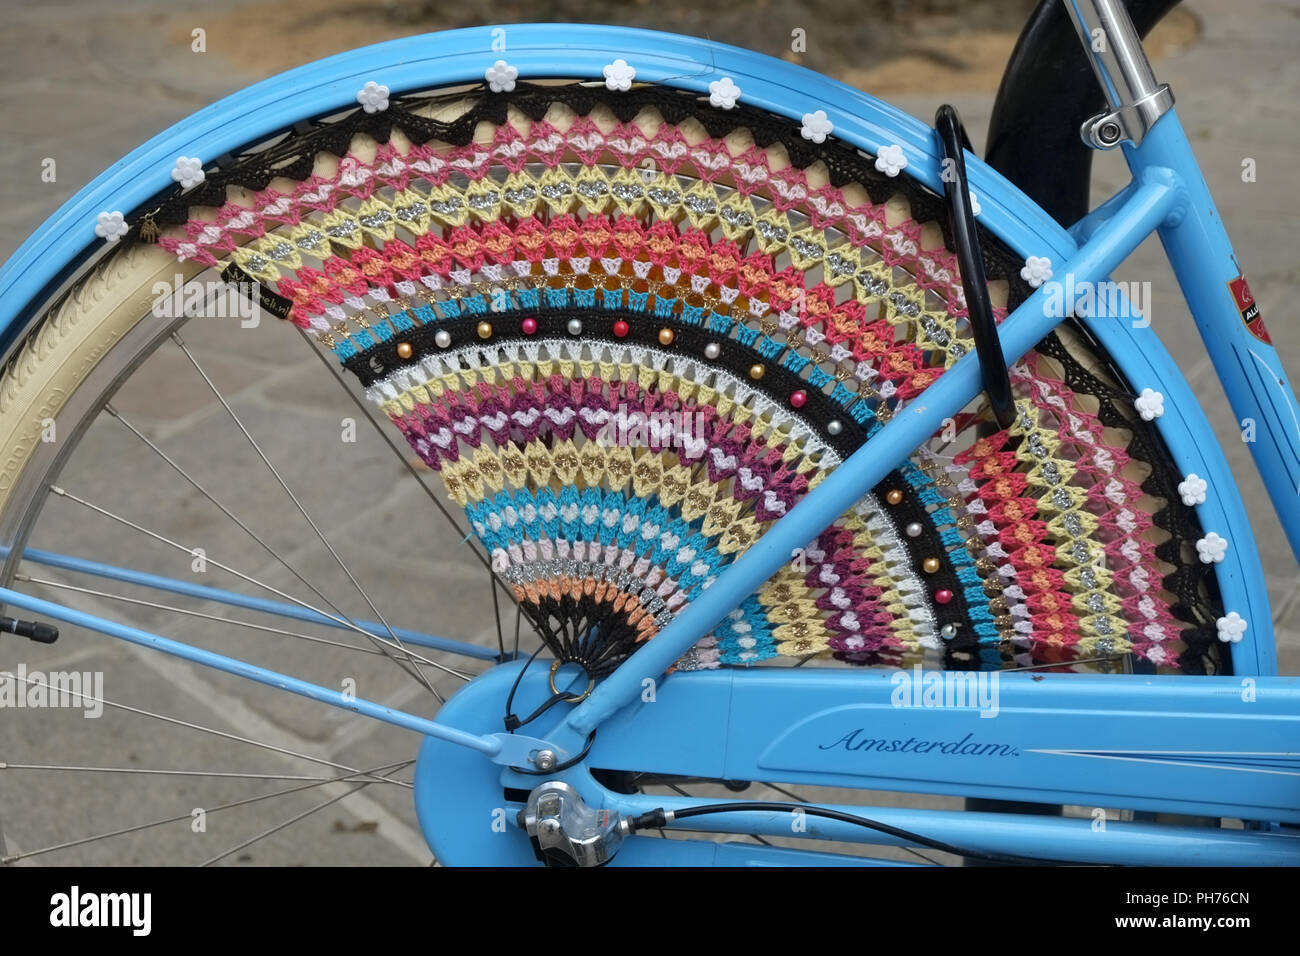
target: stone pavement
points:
(85, 83)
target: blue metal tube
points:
(1113, 241)
(1125, 844)
(203, 592)
(1256, 385)
(421, 725)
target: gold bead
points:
(756, 372)
(485, 330)
(894, 497)
(666, 336)
(930, 565)
(404, 350)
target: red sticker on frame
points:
(1249, 309)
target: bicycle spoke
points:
(429, 493)
(82, 841)
(284, 751)
(496, 613)
(374, 638)
(301, 816)
(158, 772)
(519, 613)
(461, 533)
(226, 511)
(419, 675)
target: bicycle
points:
(868, 441)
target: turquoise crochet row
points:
(601, 516)
(760, 629)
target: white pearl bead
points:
(712, 350)
(575, 326)
(914, 529)
(949, 631)
(834, 427)
(442, 338)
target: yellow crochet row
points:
(738, 217)
(791, 603)
(1073, 526)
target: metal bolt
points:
(1109, 133)
(545, 759)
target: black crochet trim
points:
(578, 629)
(962, 652)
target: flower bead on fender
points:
(1192, 490)
(1231, 628)
(373, 97)
(1150, 404)
(1211, 549)
(619, 76)
(188, 171)
(816, 126)
(501, 77)
(111, 226)
(1037, 270)
(891, 160)
(723, 93)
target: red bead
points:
(620, 328)
(529, 325)
(798, 399)
(942, 597)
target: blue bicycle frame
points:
(1056, 736)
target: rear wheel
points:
(618, 329)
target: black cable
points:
(512, 722)
(659, 819)
(562, 766)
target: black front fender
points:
(1047, 91)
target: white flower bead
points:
(373, 97)
(1192, 490)
(501, 77)
(723, 93)
(1231, 627)
(891, 160)
(1150, 404)
(111, 226)
(1211, 549)
(1037, 270)
(188, 171)
(619, 76)
(816, 126)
